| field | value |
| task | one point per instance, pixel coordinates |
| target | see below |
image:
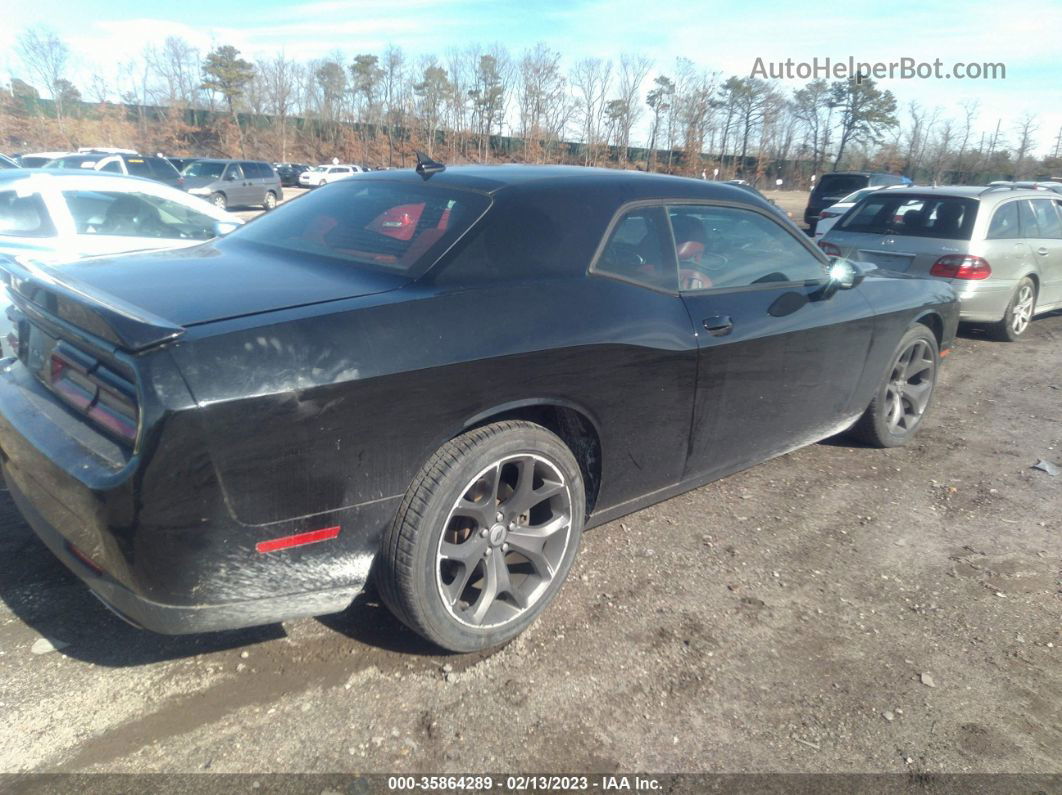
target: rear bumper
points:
(155, 541)
(984, 301)
(170, 619)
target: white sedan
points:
(322, 175)
(59, 216)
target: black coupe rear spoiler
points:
(37, 289)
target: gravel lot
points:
(836, 609)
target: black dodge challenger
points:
(437, 379)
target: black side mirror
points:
(842, 275)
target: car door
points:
(1047, 249)
(779, 362)
(253, 182)
(1004, 247)
(235, 185)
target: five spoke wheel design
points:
(504, 541)
(910, 386)
(1021, 314)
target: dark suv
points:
(289, 173)
(835, 186)
(157, 168)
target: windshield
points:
(391, 227)
(73, 161)
(887, 213)
(204, 168)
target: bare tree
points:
(591, 79)
(431, 94)
(633, 71)
(541, 92)
(46, 56)
(1025, 130)
(278, 76)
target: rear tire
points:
(905, 394)
(219, 201)
(1019, 313)
(485, 536)
(270, 202)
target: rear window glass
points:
(840, 184)
(384, 226)
(138, 167)
(24, 216)
(163, 169)
(887, 213)
(74, 161)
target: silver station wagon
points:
(1000, 247)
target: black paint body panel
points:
(281, 416)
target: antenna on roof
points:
(426, 166)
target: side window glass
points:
(1027, 219)
(24, 216)
(113, 167)
(1047, 220)
(1004, 225)
(639, 250)
(234, 171)
(724, 247)
(250, 170)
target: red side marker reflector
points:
(945, 352)
(297, 540)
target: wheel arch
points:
(574, 424)
(934, 322)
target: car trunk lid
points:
(206, 283)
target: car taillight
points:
(961, 266)
(829, 249)
(180, 182)
(101, 394)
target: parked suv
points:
(157, 168)
(835, 186)
(289, 173)
(322, 175)
(999, 247)
(234, 183)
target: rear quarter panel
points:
(314, 412)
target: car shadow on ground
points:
(46, 597)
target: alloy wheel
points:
(909, 387)
(1021, 314)
(504, 541)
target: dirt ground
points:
(836, 609)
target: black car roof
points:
(634, 185)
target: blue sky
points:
(724, 36)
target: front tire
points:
(902, 400)
(1019, 314)
(219, 201)
(485, 536)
